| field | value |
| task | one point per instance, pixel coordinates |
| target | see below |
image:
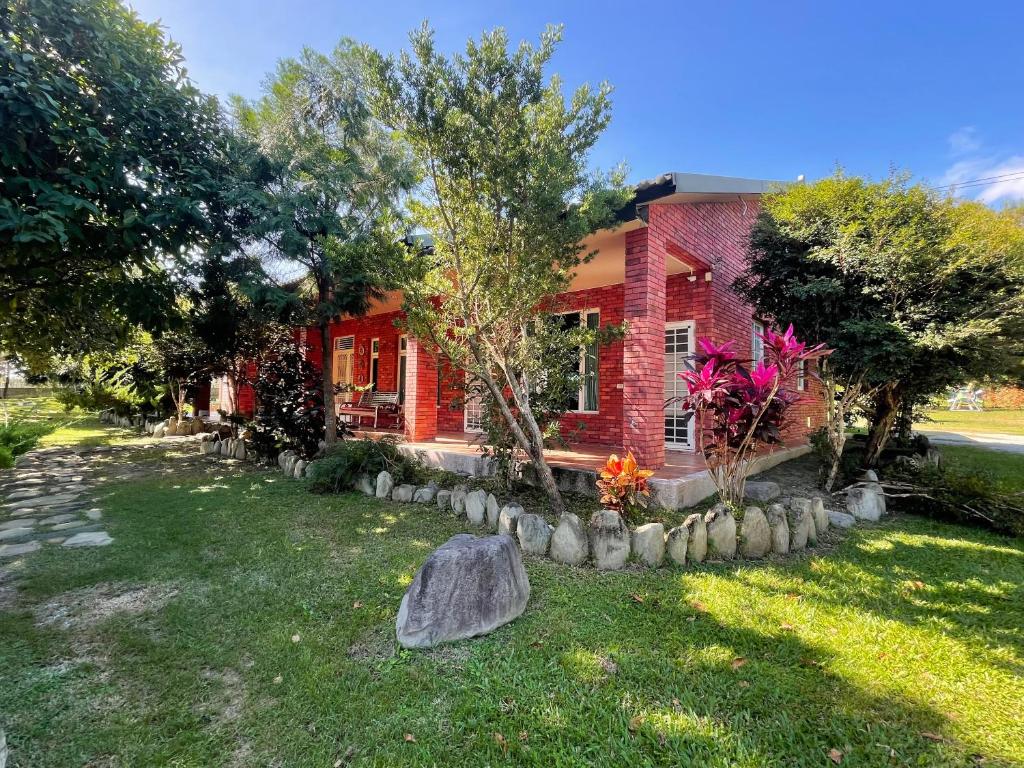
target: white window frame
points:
(756, 344)
(581, 395)
(374, 355)
(801, 376)
(401, 385)
(691, 445)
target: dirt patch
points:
(797, 477)
(83, 608)
(376, 644)
(226, 696)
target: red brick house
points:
(665, 268)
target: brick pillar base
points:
(643, 355)
(420, 393)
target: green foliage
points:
(327, 192)
(110, 166)
(962, 494)
(914, 292)
(504, 155)
(346, 461)
(18, 437)
(290, 403)
(128, 379)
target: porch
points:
(681, 482)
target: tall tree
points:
(508, 200)
(331, 187)
(109, 158)
(914, 292)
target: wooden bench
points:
(371, 404)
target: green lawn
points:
(1006, 468)
(262, 633)
(60, 426)
(1007, 422)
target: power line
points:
(984, 181)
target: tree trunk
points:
(887, 408)
(326, 363)
(533, 444)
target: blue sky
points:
(768, 90)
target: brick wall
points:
(630, 404)
(717, 234)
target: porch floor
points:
(678, 464)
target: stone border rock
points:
(609, 544)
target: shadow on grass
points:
(690, 667)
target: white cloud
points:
(964, 140)
(984, 176)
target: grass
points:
(269, 640)
(59, 426)
(1009, 422)
(1006, 468)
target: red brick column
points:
(420, 393)
(643, 356)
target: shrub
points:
(291, 404)
(959, 495)
(739, 411)
(623, 485)
(346, 461)
(18, 437)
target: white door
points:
(472, 409)
(344, 357)
(678, 421)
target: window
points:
(586, 399)
(756, 342)
(375, 364)
(403, 348)
(801, 376)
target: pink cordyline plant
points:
(740, 410)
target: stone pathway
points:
(45, 500)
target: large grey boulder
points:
(879, 495)
(493, 511)
(870, 476)
(459, 501)
(649, 544)
(762, 490)
(800, 525)
(755, 534)
(534, 534)
(721, 527)
(206, 447)
(403, 493)
(424, 495)
(804, 506)
(508, 518)
(779, 525)
(676, 544)
(469, 586)
(365, 484)
(476, 507)
(385, 484)
(609, 540)
(819, 515)
(862, 503)
(841, 519)
(444, 500)
(299, 471)
(569, 541)
(697, 538)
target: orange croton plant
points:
(623, 484)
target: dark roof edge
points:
(674, 183)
